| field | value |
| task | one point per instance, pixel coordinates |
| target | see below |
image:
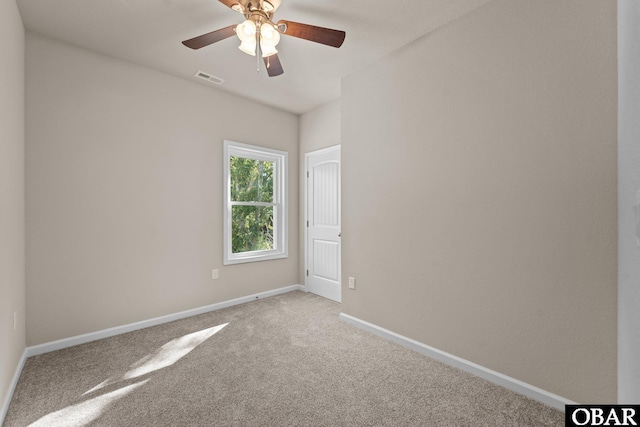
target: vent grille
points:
(208, 77)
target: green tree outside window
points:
(251, 226)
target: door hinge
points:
(307, 223)
(307, 273)
(307, 174)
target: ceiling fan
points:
(259, 35)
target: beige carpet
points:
(280, 361)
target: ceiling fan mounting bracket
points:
(247, 7)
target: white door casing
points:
(323, 223)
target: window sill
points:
(256, 257)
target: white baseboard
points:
(12, 387)
(505, 381)
(106, 333)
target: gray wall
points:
(12, 226)
(124, 192)
(479, 192)
(629, 201)
(320, 128)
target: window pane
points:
(251, 180)
(252, 228)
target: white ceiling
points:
(150, 32)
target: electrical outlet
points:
(214, 274)
(15, 320)
(352, 282)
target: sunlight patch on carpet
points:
(164, 356)
(83, 413)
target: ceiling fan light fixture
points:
(248, 47)
(267, 50)
(246, 31)
(247, 34)
(269, 39)
(269, 34)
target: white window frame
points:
(280, 186)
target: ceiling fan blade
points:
(231, 3)
(275, 4)
(274, 67)
(210, 38)
(322, 35)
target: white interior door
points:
(323, 223)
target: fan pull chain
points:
(258, 53)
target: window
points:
(255, 215)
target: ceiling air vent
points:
(208, 77)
